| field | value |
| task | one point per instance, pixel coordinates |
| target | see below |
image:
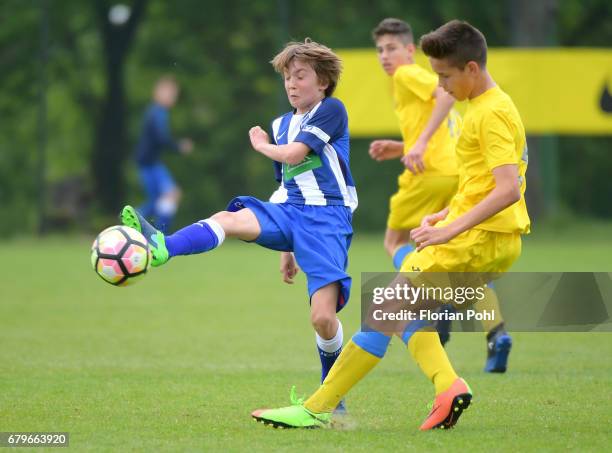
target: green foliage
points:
(220, 53)
(588, 190)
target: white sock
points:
(333, 344)
(217, 229)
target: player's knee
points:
(225, 218)
(325, 324)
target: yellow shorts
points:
(471, 251)
(417, 197)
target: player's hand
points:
(185, 145)
(430, 235)
(288, 267)
(414, 159)
(381, 150)
(432, 219)
(258, 137)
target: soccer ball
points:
(120, 255)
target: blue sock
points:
(329, 350)
(412, 328)
(400, 254)
(372, 341)
(327, 361)
(199, 237)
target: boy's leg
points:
(151, 190)
(241, 224)
(199, 237)
(328, 329)
(359, 356)
(398, 245)
(365, 351)
(499, 342)
(166, 207)
(422, 341)
(166, 204)
(426, 349)
(210, 233)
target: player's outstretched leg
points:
(499, 344)
(200, 237)
(294, 416)
(157, 241)
(448, 406)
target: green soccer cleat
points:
(156, 239)
(294, 416)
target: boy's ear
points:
(411, 47)
(323, 85)
(473, 67)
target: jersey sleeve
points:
(415, 79)
(327, 123)
(498, 140)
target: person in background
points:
(162, 193)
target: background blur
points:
(74, 84)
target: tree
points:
(110, 146)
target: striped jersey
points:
(323, 178)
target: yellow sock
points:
(490, 303)
(431, 357)
(352, 364)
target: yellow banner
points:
(556, 90)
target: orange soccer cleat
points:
(448, 406)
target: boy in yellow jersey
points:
(480, 231)
(430, 128)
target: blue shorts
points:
(156, 180)
(319, 237)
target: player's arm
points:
(505, 193)
(292, 153)
(386, 149)
(413, 160)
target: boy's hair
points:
(395, 27)
(458, 42)
(326, 64)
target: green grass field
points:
(178, 361)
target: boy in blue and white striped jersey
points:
(308, 219)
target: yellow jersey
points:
(492, 135)
(413, 89)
